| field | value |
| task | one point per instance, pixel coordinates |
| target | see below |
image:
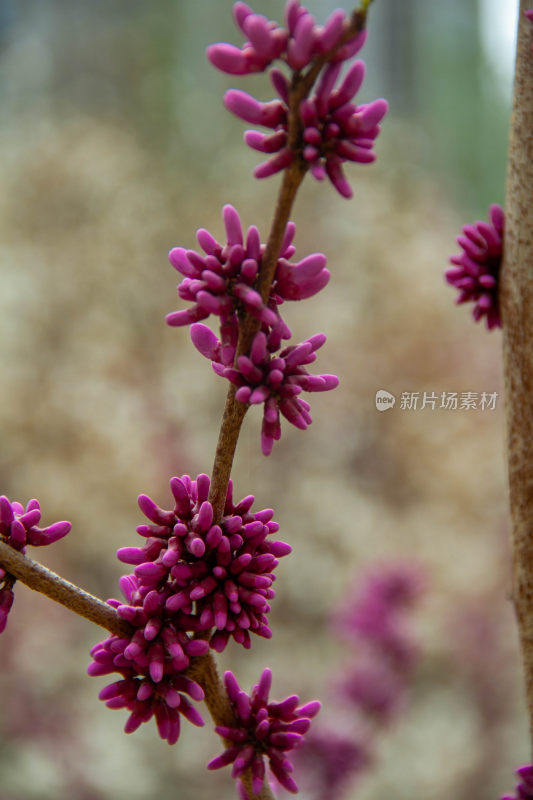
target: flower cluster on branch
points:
(297, 44)
(524, 789)
(152, 663)
(335, 130)
(19, 527)
(476, 270)
(331, 129)
(270, 378)
(197, 583)
(264, 729)
(221, 282)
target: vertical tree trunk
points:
(516, 300)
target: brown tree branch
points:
(516, 300)
(43, 580)
(292, 178)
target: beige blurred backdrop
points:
(114, 147)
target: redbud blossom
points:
(297, 44)
(524, 790)
(273, 380)
(221, 282)
(151, 662)
(334, 130)
(477, 268)
(212, 575)
(263, 729)
(19, 528)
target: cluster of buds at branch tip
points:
(272, 379)
(524, 790)
(296, 44)
(192, 576)
(264, 729)
(331, 129)
(476, 270)
(19, 528)
(220, 282)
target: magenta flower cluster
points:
(476, 270)
(297, 44)
(19, 527)
(151, 663)
(217, 574)
(192, 576)
(334, 130)
(331, 128)
(264, 729)
(524, 790)
(221, 282)
(272, 379)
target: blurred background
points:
(114, 147)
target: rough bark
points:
(516, 299)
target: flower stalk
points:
(234, 411)
(43, 580)
(293, 176)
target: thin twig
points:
(43, 580)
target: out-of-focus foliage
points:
(114, 146)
